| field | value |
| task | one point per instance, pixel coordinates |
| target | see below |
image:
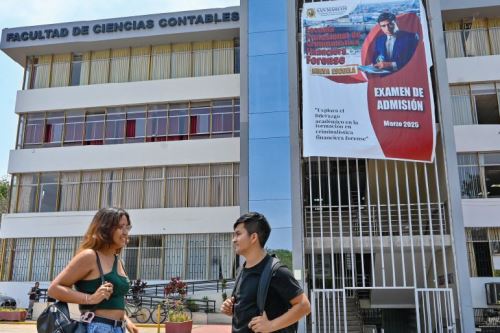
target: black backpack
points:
(268, 272)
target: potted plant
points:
(178, 320)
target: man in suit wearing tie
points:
(395, 47)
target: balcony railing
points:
(381, 220)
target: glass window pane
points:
(136, 124)
(490, 159)
(115, 125)
(487, 109)
(199, 183)
(221, 186)
(111, 188)
(150, 261)
(48, 192)
(129, 255)
(237, 117)
(178, 120)
(222, 118)
(20, 266)
(94, 128)
(27, 193)
(76, 69)
(70, 184)
(89, 192)
(34, 130)
(175, 246)
(132, 188)
(199, 124)
(156, 128)
(492, 180)
(63, 252)
(21, 131)
(54, 129)
(469, 173)
(154, 188)
(176, 187)
(41, 259)
(73, 130)
(197, 257)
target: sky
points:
(36, 12)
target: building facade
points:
(137, 112)
(146, 116)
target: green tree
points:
(285, 256)
(4, 194)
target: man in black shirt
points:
(34, 296)
(286, 302)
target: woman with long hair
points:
(106, 236)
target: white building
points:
(136, 112)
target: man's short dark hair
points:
(386, 17)
(255, 223)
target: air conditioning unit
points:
(492, 293)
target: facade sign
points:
(366, 83)
(121, 26)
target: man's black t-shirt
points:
(282, 289)
(35, 294)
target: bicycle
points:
(136, 311)
(164, 308)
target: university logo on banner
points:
(366, 83)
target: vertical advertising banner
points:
(365, 80)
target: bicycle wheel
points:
(142, 315)
(154, 315)
(189, 312)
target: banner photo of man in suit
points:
(366, 82)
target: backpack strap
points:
(272, 266)
(237, 281)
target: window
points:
(89, 192)
(475, 104)
(136, 124)
(40, 267)
(178, 120)
(73, 129)
(479, 175)
(199, 123)
(470, 177)
(48, 195)
(154, 185)
(70, 183)
(176, 187)
(129, 255)
(34, 130)
(150, 261)
(197, 256)
(21, 259)
(21, 130)
(111, 188)
(132, 188)
(94, 128)
(222, 118)
(26, 201)
(492, 174)
(237, 117)
(175, 251)
(486, 103)
(54, 129)
(115, 126)
(76, 69)
(200, 185)
(156, 128)
(482, 248)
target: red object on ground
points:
(184, 327)
(13, 315)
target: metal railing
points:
(382, 220)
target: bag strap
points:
(268, 272)
(237, 281)
(101, 273)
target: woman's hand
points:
(104, 292)
(131, 326)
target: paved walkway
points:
(30, 327)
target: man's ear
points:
(254, 238)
